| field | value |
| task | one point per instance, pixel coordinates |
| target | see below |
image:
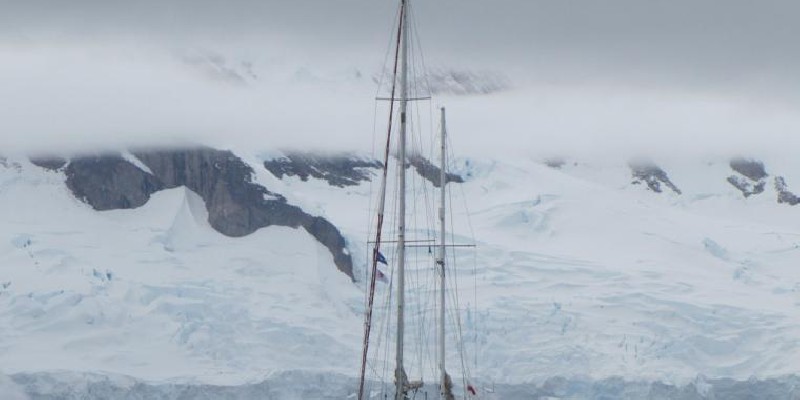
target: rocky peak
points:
(752, 176)
(652, 175)
(52, 163)
(338, 170)
(752, 169)
(431, 172)
(555, 162)
(346, 169)
(784, 195)
(109, 182)
(236, 205)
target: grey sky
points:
(738, 51)
(688, 37)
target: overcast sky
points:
(87, 71)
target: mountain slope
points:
(579, 270)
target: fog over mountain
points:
(619, 75)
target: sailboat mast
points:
(378, 232)
(400, 374)
(441, 259)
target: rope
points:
(368, 318)
(474, 266)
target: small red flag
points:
(472, 390)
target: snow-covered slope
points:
(156, 293)
(579, 272)
(603, 278)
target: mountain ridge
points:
(574, 262)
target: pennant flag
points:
(381, 276)
(382, 259)
(472, 390)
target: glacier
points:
(588, 286)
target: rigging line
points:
(455, 293)
(455, 316)
(384, 71)
(422, 344)
(385, 325)
(429, 202)
(412, 274)
(386, 320)
(431, 231)
(474, 268)
(430, 298)
(369, 205)
(392, 228)
(460, 333)
(390, 294)
(375, 129)
(421, 142)
(371, 192)
(388, 323)
(425, 308)
(383, 328)
(430, 189)
(379, 336)
(379, 87)
(419, 139)
(429, 272)
(381, 377)
(421, 54)
(368, 318)
(421, 283)
(454, 274)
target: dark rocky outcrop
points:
(652, 175)
(337, 170)
(555, 162)
(784, 195)
(108, 182)
(236, 205)
(746, 187)
(345, 169)
(52, 163)
(431, 172)
(752, 169)
(753, 179)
